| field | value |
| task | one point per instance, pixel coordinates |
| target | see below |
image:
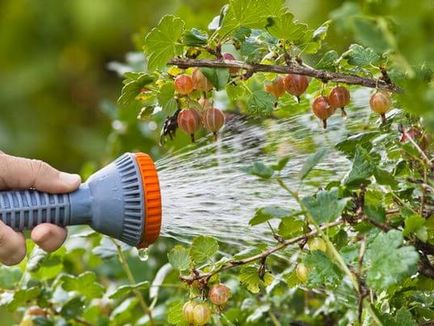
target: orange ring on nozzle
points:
(152, 199)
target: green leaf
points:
(85, 284)
(126, 289)
(374, 206)
(249, 277)
(261, 103)
(9, 276)
(349, 145)
(19, 298)
(284, 27)
(161, 44)
(328, 61)
(415, 224)
(166, 99)
(311, 162)
(203, 248)
(292, 279)
(219, 77)
(179, 258)
(235, 92)
(280, 165)
(388, 262)
(133, 85)
(195, 37)
(322, 271)
(290, 227)
(326, 206)
(175, 315)
(402, 318)
(363, 168)
(259, 169)
(249, 14)
(321, 32)
(359, 56)
(45, 266)
(72, 308)
(384, 177)
(267, 213)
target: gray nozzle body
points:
(111, 201)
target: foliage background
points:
(57, 94)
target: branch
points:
(322, 75)
(263, 255)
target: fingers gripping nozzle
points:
(122, 200)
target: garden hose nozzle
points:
(122, 200)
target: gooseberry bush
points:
(357, 251)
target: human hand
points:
(22, 173)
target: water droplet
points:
(143, 254)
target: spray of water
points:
(205, 191)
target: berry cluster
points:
(324, 107)
(190, 120)
(199, 313)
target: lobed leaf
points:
(162, 42)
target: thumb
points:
(22, 173)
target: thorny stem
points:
(233, 263)
(422, 153)
(130, 276)
(294, 68)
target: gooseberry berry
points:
(188, 311)
(200, 82)
(183, 84)
(229, 57)
(213, 119)
(339, 97)
(295, 84)
(189, 121)
(302, 272)
(380, 103)
(36, 311)
(219, 294)
(322, 110)
(276, 87)
(201, 314)
(317, 244)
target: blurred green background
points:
(54, 57)
(54, 76)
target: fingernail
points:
(69, 178)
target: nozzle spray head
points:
(122, 200)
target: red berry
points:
(296, 84)
(213, 119)
(229, 57)
(322, 110)
(201, 314)
(339, 98)
(183, 84)
(200, 82)
(381, 103)
(276, 87)
(189, 121)
(36, 311)
(188, 311)
(219, 294)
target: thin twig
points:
(298, 69)
(235, 263)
